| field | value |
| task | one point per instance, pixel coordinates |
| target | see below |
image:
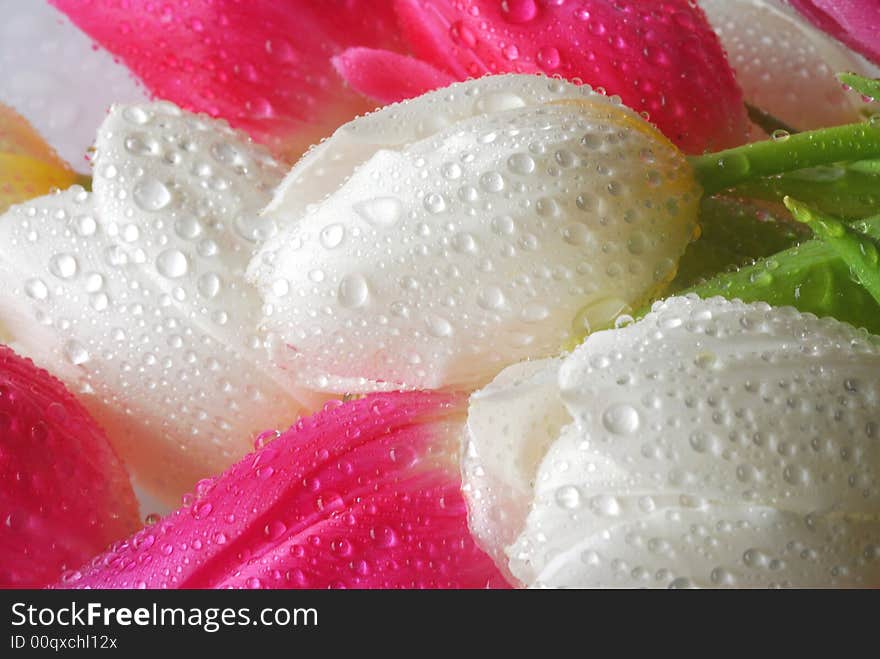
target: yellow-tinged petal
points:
(29, 167)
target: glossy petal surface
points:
(28, 166)
(467, 229)
(63, 491)
(659, 57)
(712, 443)
(855, 22)
(388, 77)
(263, 65)
(134, 294)
(57, 78)
(784, 65)
(362, 495)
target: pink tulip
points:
(660, 57)
(364, 494)
(64, 494)
(265, 65)
(854, 22)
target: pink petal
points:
(660, 57)
(364, 494)
(854, 22)
(264, 65)
(64, 494)
(388, 77)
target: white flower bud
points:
(434, 242)
(711, 443)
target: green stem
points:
(725, 169)
(767, 122)
(849, 191)
(859, 251)
(868, 87)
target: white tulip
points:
(786, 66)
(436, 241)
(712, 443)
(134, 294)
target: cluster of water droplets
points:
(58, 472)
(134, 293)
(287, 516)
(466, 231)
(712, 443)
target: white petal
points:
(522, 413)
(53, 75)
(135, 295)
(712, 444)
(451, 252)
(784, 65)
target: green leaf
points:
(811, 277)
(859, 251)
(864, 86)
(733, 233)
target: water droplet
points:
(464, 243)
(151, 195)
(492, 182)
(172, 263)
(36, 289)
(451, 171)
(499, 102)
(621, 419)
(353, 291)
(86, 225)
(576, 234)
(209, 285)
(332, 235)
(491, 298)
(521, 163)
(381, 211)
(76, 353)
(605, 505)
(139, 144)
(63, 266)
(439, 327)
(280, 287)
(568, 496)
(519, 11)
(255, 228)
(135, 115)
(188, 227)
(548, 58)
(435, 203)
(384, 537)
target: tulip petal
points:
(441, 260)
(660, 58)
(28, 166)
(388, 77)
(362, 495)
(854, 22)
(63, 491)
(713, 443)
(54, 75)
(134, 294)
(262, 65)
(784, 65)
